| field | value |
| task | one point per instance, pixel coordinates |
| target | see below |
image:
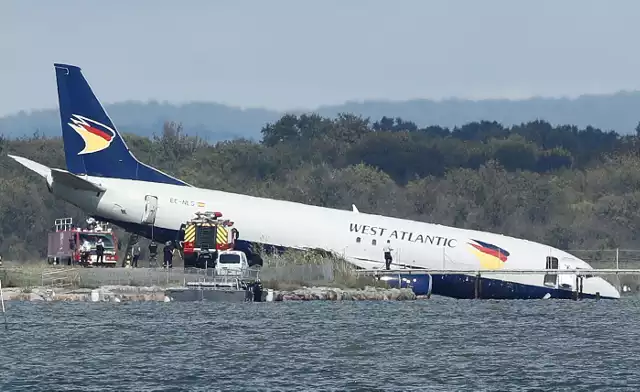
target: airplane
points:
(105, 180)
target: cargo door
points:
(150, 209)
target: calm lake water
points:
(434, 345)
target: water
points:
(436, 345)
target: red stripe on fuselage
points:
(492, 252)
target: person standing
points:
(100, 252)
(153, 253)
(85, 252)
(387, 255)
(72, 248)
(135, 251)
(168, 255)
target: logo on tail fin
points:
(96, 136)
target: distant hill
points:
(619, 112)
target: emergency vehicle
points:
(202, 237)
(65, 244)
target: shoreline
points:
(121, 293)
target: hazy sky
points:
(296, 53)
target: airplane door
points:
(566, 281)
(551, 279)
(150, 209)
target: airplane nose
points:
(600, 285)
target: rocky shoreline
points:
(157, 294)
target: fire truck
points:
(65, 244)
(202, 237)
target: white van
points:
(231, 262)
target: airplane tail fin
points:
(92, 144)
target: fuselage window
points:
(373, 242)
(358, 240)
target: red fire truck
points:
(202, 237)
(66, 243)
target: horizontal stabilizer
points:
(42, 170)
(72, 181)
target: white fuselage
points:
(358, 237)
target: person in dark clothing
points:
(72, 248)
(168, 255)
(153, 249)
(100, 251)
(153, 253)
(234, 237)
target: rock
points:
(139, 293)
(35, 297)
(335, 294)
(76, 297)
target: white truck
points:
(231, 262)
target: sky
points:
(290, 54)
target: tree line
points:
(561, 185)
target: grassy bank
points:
(294, 269)
(25, 275)
(288, 271)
